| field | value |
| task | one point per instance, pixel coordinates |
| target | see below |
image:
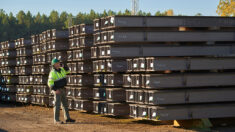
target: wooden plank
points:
(202, 124)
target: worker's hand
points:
(57, 91)
(65, 66)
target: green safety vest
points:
(55, 77)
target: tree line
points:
(24, 24)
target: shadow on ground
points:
(1, 130)
(154, 123)
(10, 105)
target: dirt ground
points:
(18, 118)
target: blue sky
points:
(185, 7)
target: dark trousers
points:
(60, 99)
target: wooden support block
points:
(204, 124)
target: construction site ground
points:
(28, 118)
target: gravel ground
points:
(38, 119)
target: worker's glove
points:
(66, 67)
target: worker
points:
(57, 81)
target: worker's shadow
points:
(1, 130)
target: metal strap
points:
(144, 21)
(186, 96)
(184, 78)
(188, 63)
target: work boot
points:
(70, 121)
(58, 122)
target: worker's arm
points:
(66, 68)
(51, 81)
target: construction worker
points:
(57, 81)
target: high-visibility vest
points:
(55, 77)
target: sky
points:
(184, 7)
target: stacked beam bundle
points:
(8, 80)
(171, 68)
(23, 70)
(48, 45)
(80, 88)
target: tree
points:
(67, 22)
(79, 18)
(21, 17)
(12, 34)
(91, 16)
(158, 13)
(37, 25)
(170, 12)
(11, 18)
(28, 20)
(119, 13)
(5, 22)
(105, 14)
(198, 14)
(54, 19)
(21, 30)
(25, 24)
(226, 8)
(63, 19)
(140, 13)
(37, 19)
(111, 13)
(148, 14)
(45, 24)
(127, 12)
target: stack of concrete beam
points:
(23, 70)
(8, 80)
(40, 69)
(79, 89)
(108, 77)
(171, 68)
(46, 46)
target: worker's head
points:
(55, 63)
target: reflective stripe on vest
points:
(61, 75)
